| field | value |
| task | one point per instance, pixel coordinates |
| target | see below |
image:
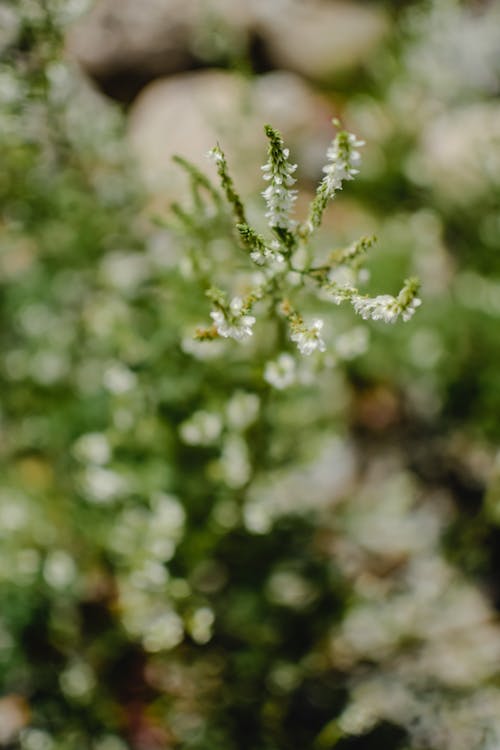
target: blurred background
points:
(188, 558)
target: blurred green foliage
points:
(188, 558)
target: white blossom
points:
(233, 323)
(268, 255)
(309, 339)
(278, 195)
(77, 680)
(163, 633)
(93, 448)
(215, 155)
(201, 624)
(59, 569)
(234, 462)
(281, 372)
(242, 410)
(409, 310)
(102, 485)
(385, 307)
(352, 343)
(202, 428)
(343, 161)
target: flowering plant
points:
(284, 265)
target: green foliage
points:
(229, 536)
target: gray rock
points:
(124, 43)
(319, 39)
(136, 41)
(189, 113)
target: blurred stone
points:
(458, 156)
(189, 113)
(319, 39)
(14, 715)
(123, 44)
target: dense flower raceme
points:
(278, 171)
(388, 308)
(284, 274)
(343, 162)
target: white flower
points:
(268, 254)
(281, 373)
(280, 202)
(234, 463)
(163, 632)
(118, 378)
(102, 485)
(242, 410)
(309, 339)
(278, 195)
(385, 307)
(59, 569)
(233, 323)
(344, 160)
(215, 155)
(410, 309)
(93, 448)
(352, 343)
(202, 428)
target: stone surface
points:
(458, 155)
(189, 113)
(319, 39)
(123, 44)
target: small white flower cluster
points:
(308, 340)
(278, 195)
(281, 372)
(215, 155)
(352, 343)
(268, 254)
(202, 428)
(144, 540)
(385, 307)
(242, 410)
(233, 323)
(343, 161)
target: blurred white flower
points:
(93, 447)
(281, 372)
(352, 343)
(242, 410)
(77, 680)
(201, 624)
(278, 171)
(388, 308)
(59, 569)
(309, 340)
(343, 161)
(268, 254)
(234, 323)
(102, 485)
(163, 632)
(202, 428)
